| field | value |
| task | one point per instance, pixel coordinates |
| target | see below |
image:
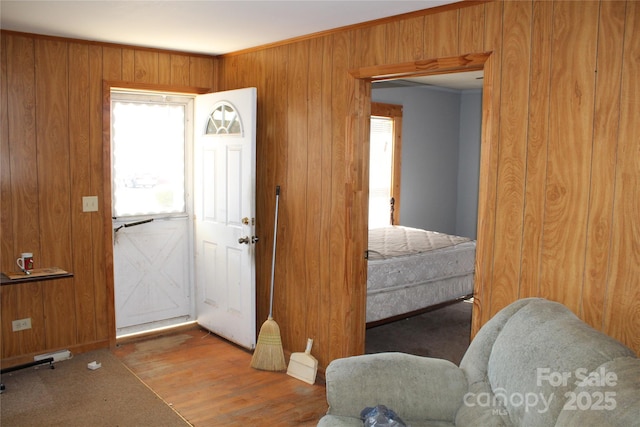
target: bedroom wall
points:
(469, 163)
(430, 131)
(440, 156)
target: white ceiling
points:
(205, 26)
(458, 81)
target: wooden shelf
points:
(37, 274)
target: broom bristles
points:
(268, 355)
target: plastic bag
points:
(381, 416)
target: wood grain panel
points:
(101, 241)
(411, 39)
(52, 98)
(471, 29)
(370, 45)
(623, 293)
(512, 155)
(536, 166)
(227, 74)
(276, 140)
(441, 34)
(244, 63)
(6, 226)
(146, 66)
(179, 71)
(80, 169)
(29, 303)
(11, 344)
(22, 149)
(340, 316)
(201, 72)
(19, 302)
(128, 71)
(164, 69)
(52, 109)
(325, 173)
(359, 128)
(112, 60)
(358, 120)
(491, 99)
(570, 137)
(58, 298)
(603, 161)
(392, 43)
(6, 231)
(281, 153)
(294, 197)
(315, 183)
(263, 169)
(266, 181)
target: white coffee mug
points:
(25, 262)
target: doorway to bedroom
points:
(441, 119)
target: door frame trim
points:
(359, 137)
(107, 86)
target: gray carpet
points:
(442, 333)
(73, 395)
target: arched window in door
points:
(224, 120)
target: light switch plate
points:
(21, 324)
(90, 204)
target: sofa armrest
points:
(412, 386)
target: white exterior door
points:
(224, 209)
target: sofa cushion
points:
(414, 387)
(339, 421)
(539, 355)
(606, 400)
(476, 359)
(523, 361)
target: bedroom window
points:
(385, 164)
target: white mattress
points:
(395, 241)
(406, 283)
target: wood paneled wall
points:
(51, 141)
(560, 162)
(560, 166)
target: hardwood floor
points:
(209, 381)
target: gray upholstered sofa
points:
(533, 364)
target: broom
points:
(268, 355)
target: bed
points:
(410, 270)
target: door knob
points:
(244, 240)
(254, 239)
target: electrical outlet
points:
(21, 324)
(90, 204)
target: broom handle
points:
(273, 257)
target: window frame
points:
(394, 113)
(144, 96)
